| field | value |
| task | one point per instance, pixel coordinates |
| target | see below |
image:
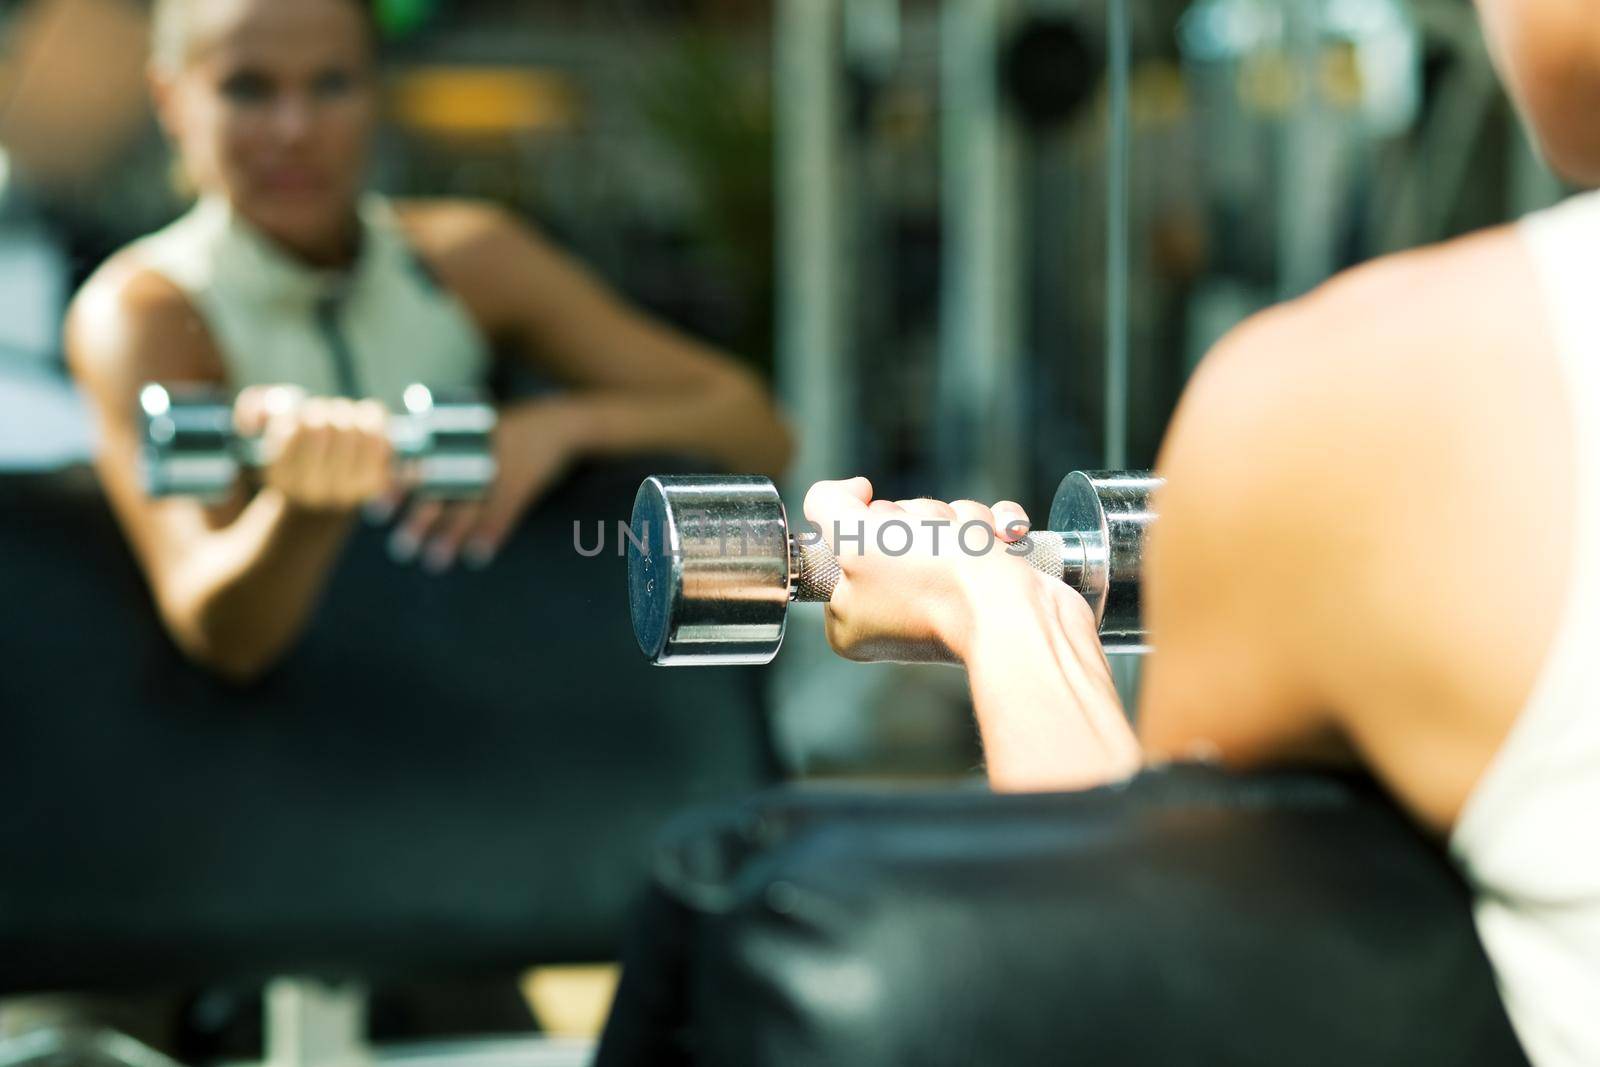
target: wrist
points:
(994, 598)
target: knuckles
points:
(332, 452)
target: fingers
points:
(498, 517)
(318, 477)
(298, 445)
(1007, 518)
(980, 529)
(385, 506)
(1012, 522)
(450, 533)
(321, 453)
(343, 469)
(828, 501)
(925, 508)
(413, 531)
(977, 526)
(250, 412)
(438, 536)
(257, 405)
(374, 452)
(831, 507)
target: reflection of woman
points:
(1379, 543)
(287, 275)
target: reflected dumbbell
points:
(443, 444)
(713, 565)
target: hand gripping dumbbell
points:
(713, 566)
(443, 444)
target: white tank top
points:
(1528, 839)
(367, 331)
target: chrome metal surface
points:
(77, 1047)
(310, 1023)
(818, 574)
(1112, 511)
(709, 570)
(491, 1052)
(1119, 152)
(186, 442)
(67, 1047)
(443, 443)
(446, 441)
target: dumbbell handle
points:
(1066, 557)
(189, 446)
(408, 436)
(433, 467)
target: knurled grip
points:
(816, 571)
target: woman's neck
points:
(337, 248)
(337, 251)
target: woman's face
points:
(1548, 53)
(274, 108)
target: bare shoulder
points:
(490, 259)
(130, 324)
(1377, 401)
(508, 275)
(1394, 358)
(460, 234)
(1340, 470)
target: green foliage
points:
(396, 18)
(714, 112)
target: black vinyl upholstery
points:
(457, 774)
(1190, 917)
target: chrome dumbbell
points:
(713, 565)
(443, 444)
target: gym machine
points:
(713, 563)
(443, 443)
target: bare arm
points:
(234, 585)
(638, 385)
(1043, 659)
(1046, 709)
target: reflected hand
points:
(327, 453)
(534, 446)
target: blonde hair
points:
(172, 31)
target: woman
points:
(1379, 543)
(321, 303)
